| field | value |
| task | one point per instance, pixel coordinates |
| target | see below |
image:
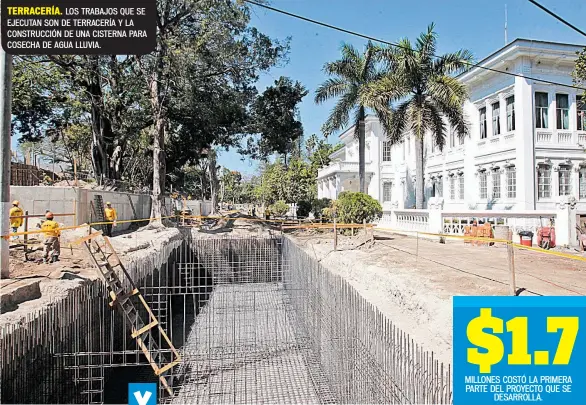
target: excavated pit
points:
(254, 320)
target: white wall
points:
(69, 200)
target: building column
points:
(555, 181)
(338, 185)
(488, 106)
(503, 116)
(401, 194)
(576, 181)
(524, 144)
(565, 223)
(551, 113)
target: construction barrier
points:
(320, 226)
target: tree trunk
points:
(213, 180)
(419, 185)
(158, 170)
(361, 146)
(159, 166)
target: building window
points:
(387, 190)
(562, 111)
(482, 123)
(541, 106)
(483, 184)
(511, 182)
(387, 148)
(544, 181)
(496, 184)
(439, 189)
(564, 175)
(452, 138)
(461, 186)
(496, 119)
(581, 109)
(582, 181)
(452, 188)
(511, 113)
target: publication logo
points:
(142, 394)
(518, 350)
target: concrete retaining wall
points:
(70, 200)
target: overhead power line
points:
(396, 45)
(557, 17)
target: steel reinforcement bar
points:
(364, 356)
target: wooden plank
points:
(168, 366)
(164, 382)
(144, 329)
(122, 297)
(87, 238)
(146, 306)
(175, 352)
(108, 247)
(147, 354)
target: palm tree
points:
(425, 89)
(350, 77)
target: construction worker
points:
(111, 217)
(15, 223)
(52, 233)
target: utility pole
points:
(6, 105)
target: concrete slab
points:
(15, 292)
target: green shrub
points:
(317, 206)
(354, 207)
(303, 208)
(327, 214)
(279, 208)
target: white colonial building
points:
(526, 149)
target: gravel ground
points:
(413, 282)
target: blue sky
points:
(471, 24)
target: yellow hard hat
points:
(15, 202)
(49, 215)
(108, 203)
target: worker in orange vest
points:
(111, 217)
(15, 221)
(52, 233)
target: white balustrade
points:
(565, 137)
(455, 222)
(582, 139)
(544, 137)
(509, 138)
(412, 220)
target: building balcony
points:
(342, 167)
(559, 138)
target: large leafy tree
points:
(580, 70)
(426, 90)
(275, 120)
(350, 78)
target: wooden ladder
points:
(162, 359)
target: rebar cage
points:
(255, 320)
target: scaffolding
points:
(254, 320)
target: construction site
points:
(241, 202)
(245, 312)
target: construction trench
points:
(255, 320)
